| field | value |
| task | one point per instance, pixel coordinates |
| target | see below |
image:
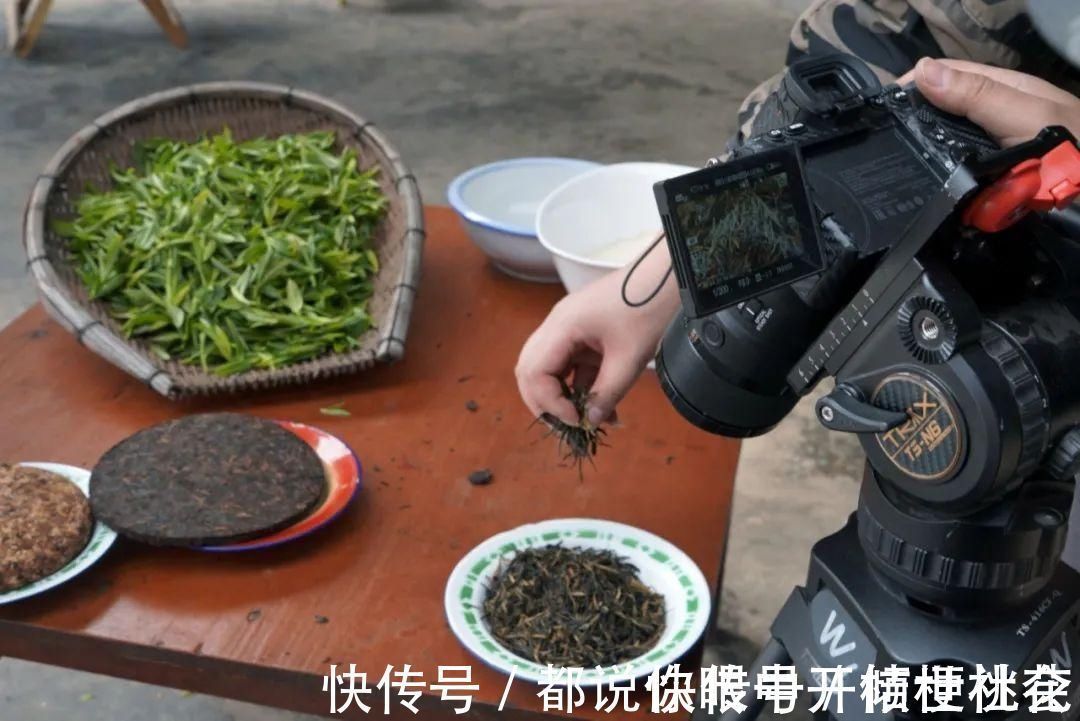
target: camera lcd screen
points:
(741, 228)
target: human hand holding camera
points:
(1009, 105)
(593, 336)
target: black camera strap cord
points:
(633, 269)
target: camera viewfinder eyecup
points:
(831, 84)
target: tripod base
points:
(844, 616)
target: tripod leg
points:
(773, 654)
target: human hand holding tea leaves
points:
(604, 344)
(577, 443)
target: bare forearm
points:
(644, 280)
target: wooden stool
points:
(25, 19)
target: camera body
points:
(844, 178)
(771, 243)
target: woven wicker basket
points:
(249, 110)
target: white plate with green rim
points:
(661, 566)
(101, 539)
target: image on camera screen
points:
(742, 230)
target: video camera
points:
(769, 245)
(876, 239)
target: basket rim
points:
(71, 313)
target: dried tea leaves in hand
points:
(577, 443)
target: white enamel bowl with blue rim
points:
(497, 204)
(101, 539)
(606, 209)
(661, 566)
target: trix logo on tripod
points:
(879, 241)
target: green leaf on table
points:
(338, 409)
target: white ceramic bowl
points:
(602, 220)
(660, 564)
(497, 204)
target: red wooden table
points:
(244, 625)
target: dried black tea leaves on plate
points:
(208, 479)
(573, 607)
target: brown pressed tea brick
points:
(205, 480)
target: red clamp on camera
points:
(1036, 184)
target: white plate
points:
(101, 539)
(661, 565)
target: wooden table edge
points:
(290, 690)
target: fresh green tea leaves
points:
(233, 256)
(293, 296)
(338, 409)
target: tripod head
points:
(969, 482)
(879, 241)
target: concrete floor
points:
(454, 83)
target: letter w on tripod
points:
(1063, 658)
(832, 637)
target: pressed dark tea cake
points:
(45, 522)
(207, 479)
